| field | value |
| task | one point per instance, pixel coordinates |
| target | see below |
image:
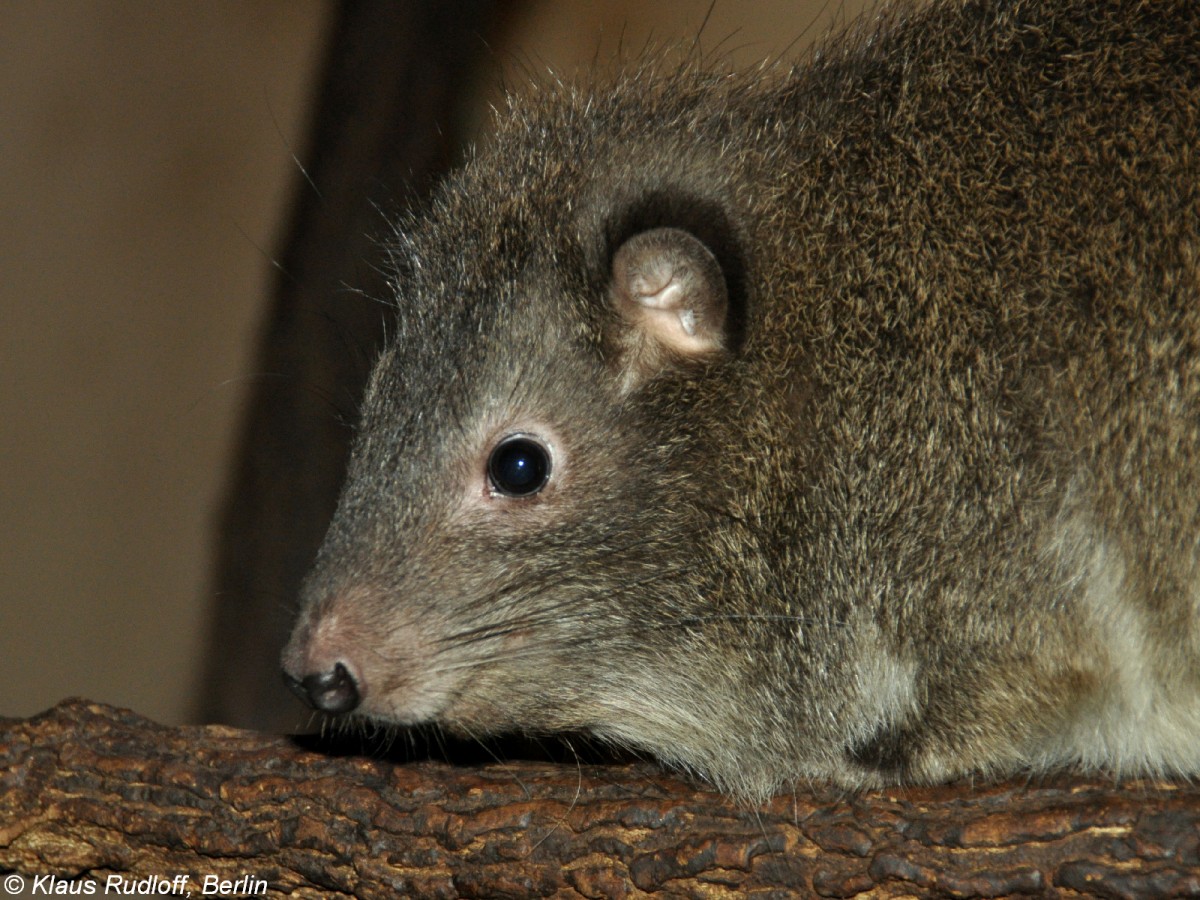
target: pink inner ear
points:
(666, 297)
(669, 287)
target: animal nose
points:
(335, 691)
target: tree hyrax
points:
(840, 424)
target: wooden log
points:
(91, 792)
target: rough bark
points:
(88, 791)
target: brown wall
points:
(145, 159)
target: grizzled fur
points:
(923, 497)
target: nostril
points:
(332, 692)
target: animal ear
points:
(671, 302)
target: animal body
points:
(841, 423)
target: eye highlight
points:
(519, 466)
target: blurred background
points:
(148, 172)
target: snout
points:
(316, 671)
(359, 650)
(333, 691)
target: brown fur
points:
(928, 505)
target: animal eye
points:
(519, 466)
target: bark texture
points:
(89, 791)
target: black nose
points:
(331, 692)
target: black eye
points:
(519, 466)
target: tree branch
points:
(89, 791)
